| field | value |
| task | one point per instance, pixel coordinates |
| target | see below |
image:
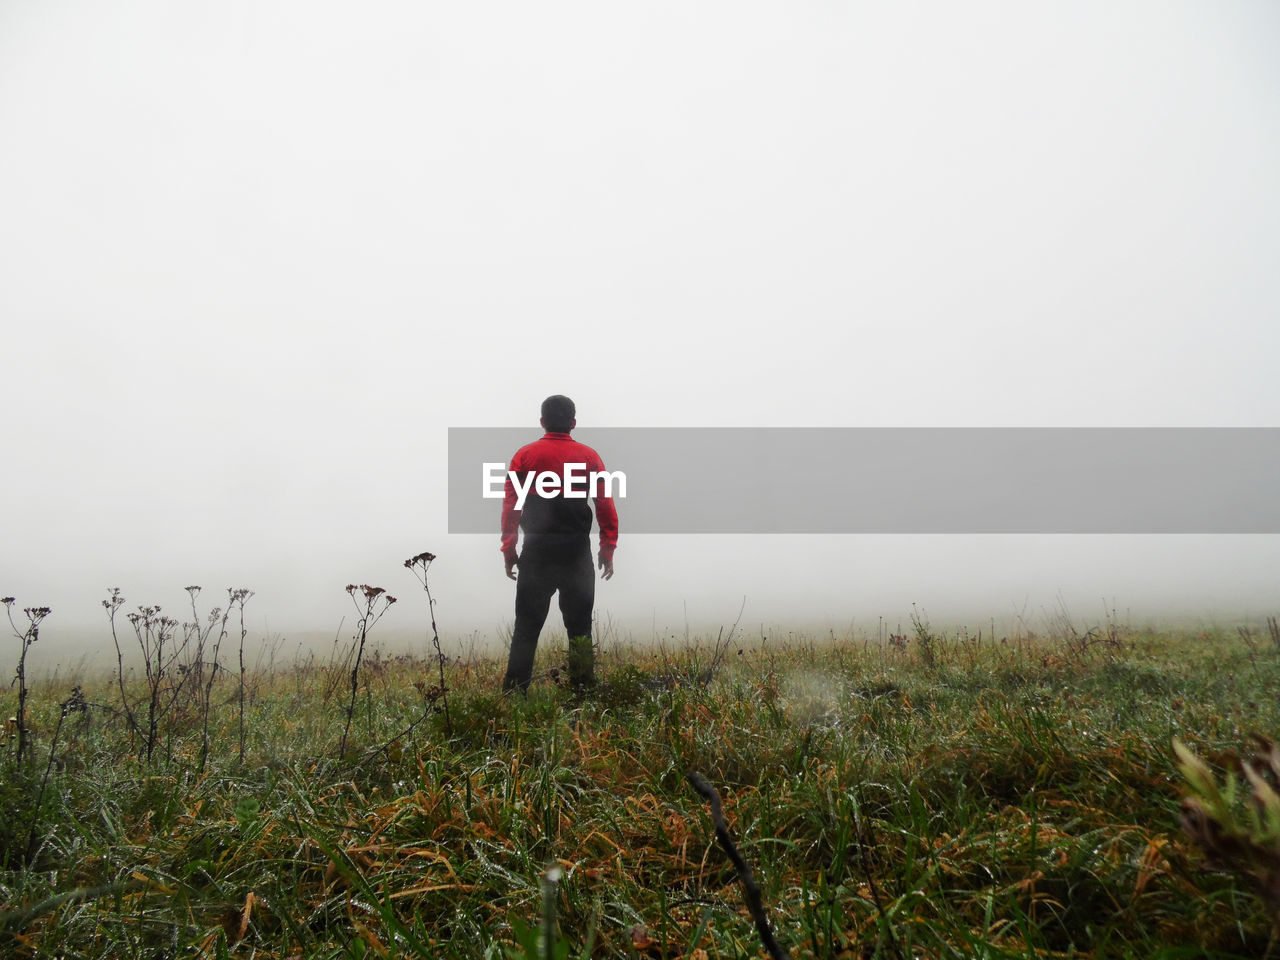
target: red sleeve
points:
(510, 515)
(606, 515)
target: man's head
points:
(558, 414)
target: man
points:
(557, 545)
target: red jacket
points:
(557, 516)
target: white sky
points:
(256, 258)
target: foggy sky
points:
(257, 258)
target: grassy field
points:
(937, 795)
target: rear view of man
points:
(557, 545)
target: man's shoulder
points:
(587, 453)
(531, 450)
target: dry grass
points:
(943, 799)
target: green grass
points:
(953, 798)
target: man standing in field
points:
(557, 544)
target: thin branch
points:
(751, 892)
(722, 647)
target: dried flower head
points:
(76, 703)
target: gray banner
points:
(909, 480)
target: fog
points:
(257, 258)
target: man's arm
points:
(607, 518)
(510, 522)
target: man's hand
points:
(606, 568)
(510, 563)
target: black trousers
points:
(542, 571)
